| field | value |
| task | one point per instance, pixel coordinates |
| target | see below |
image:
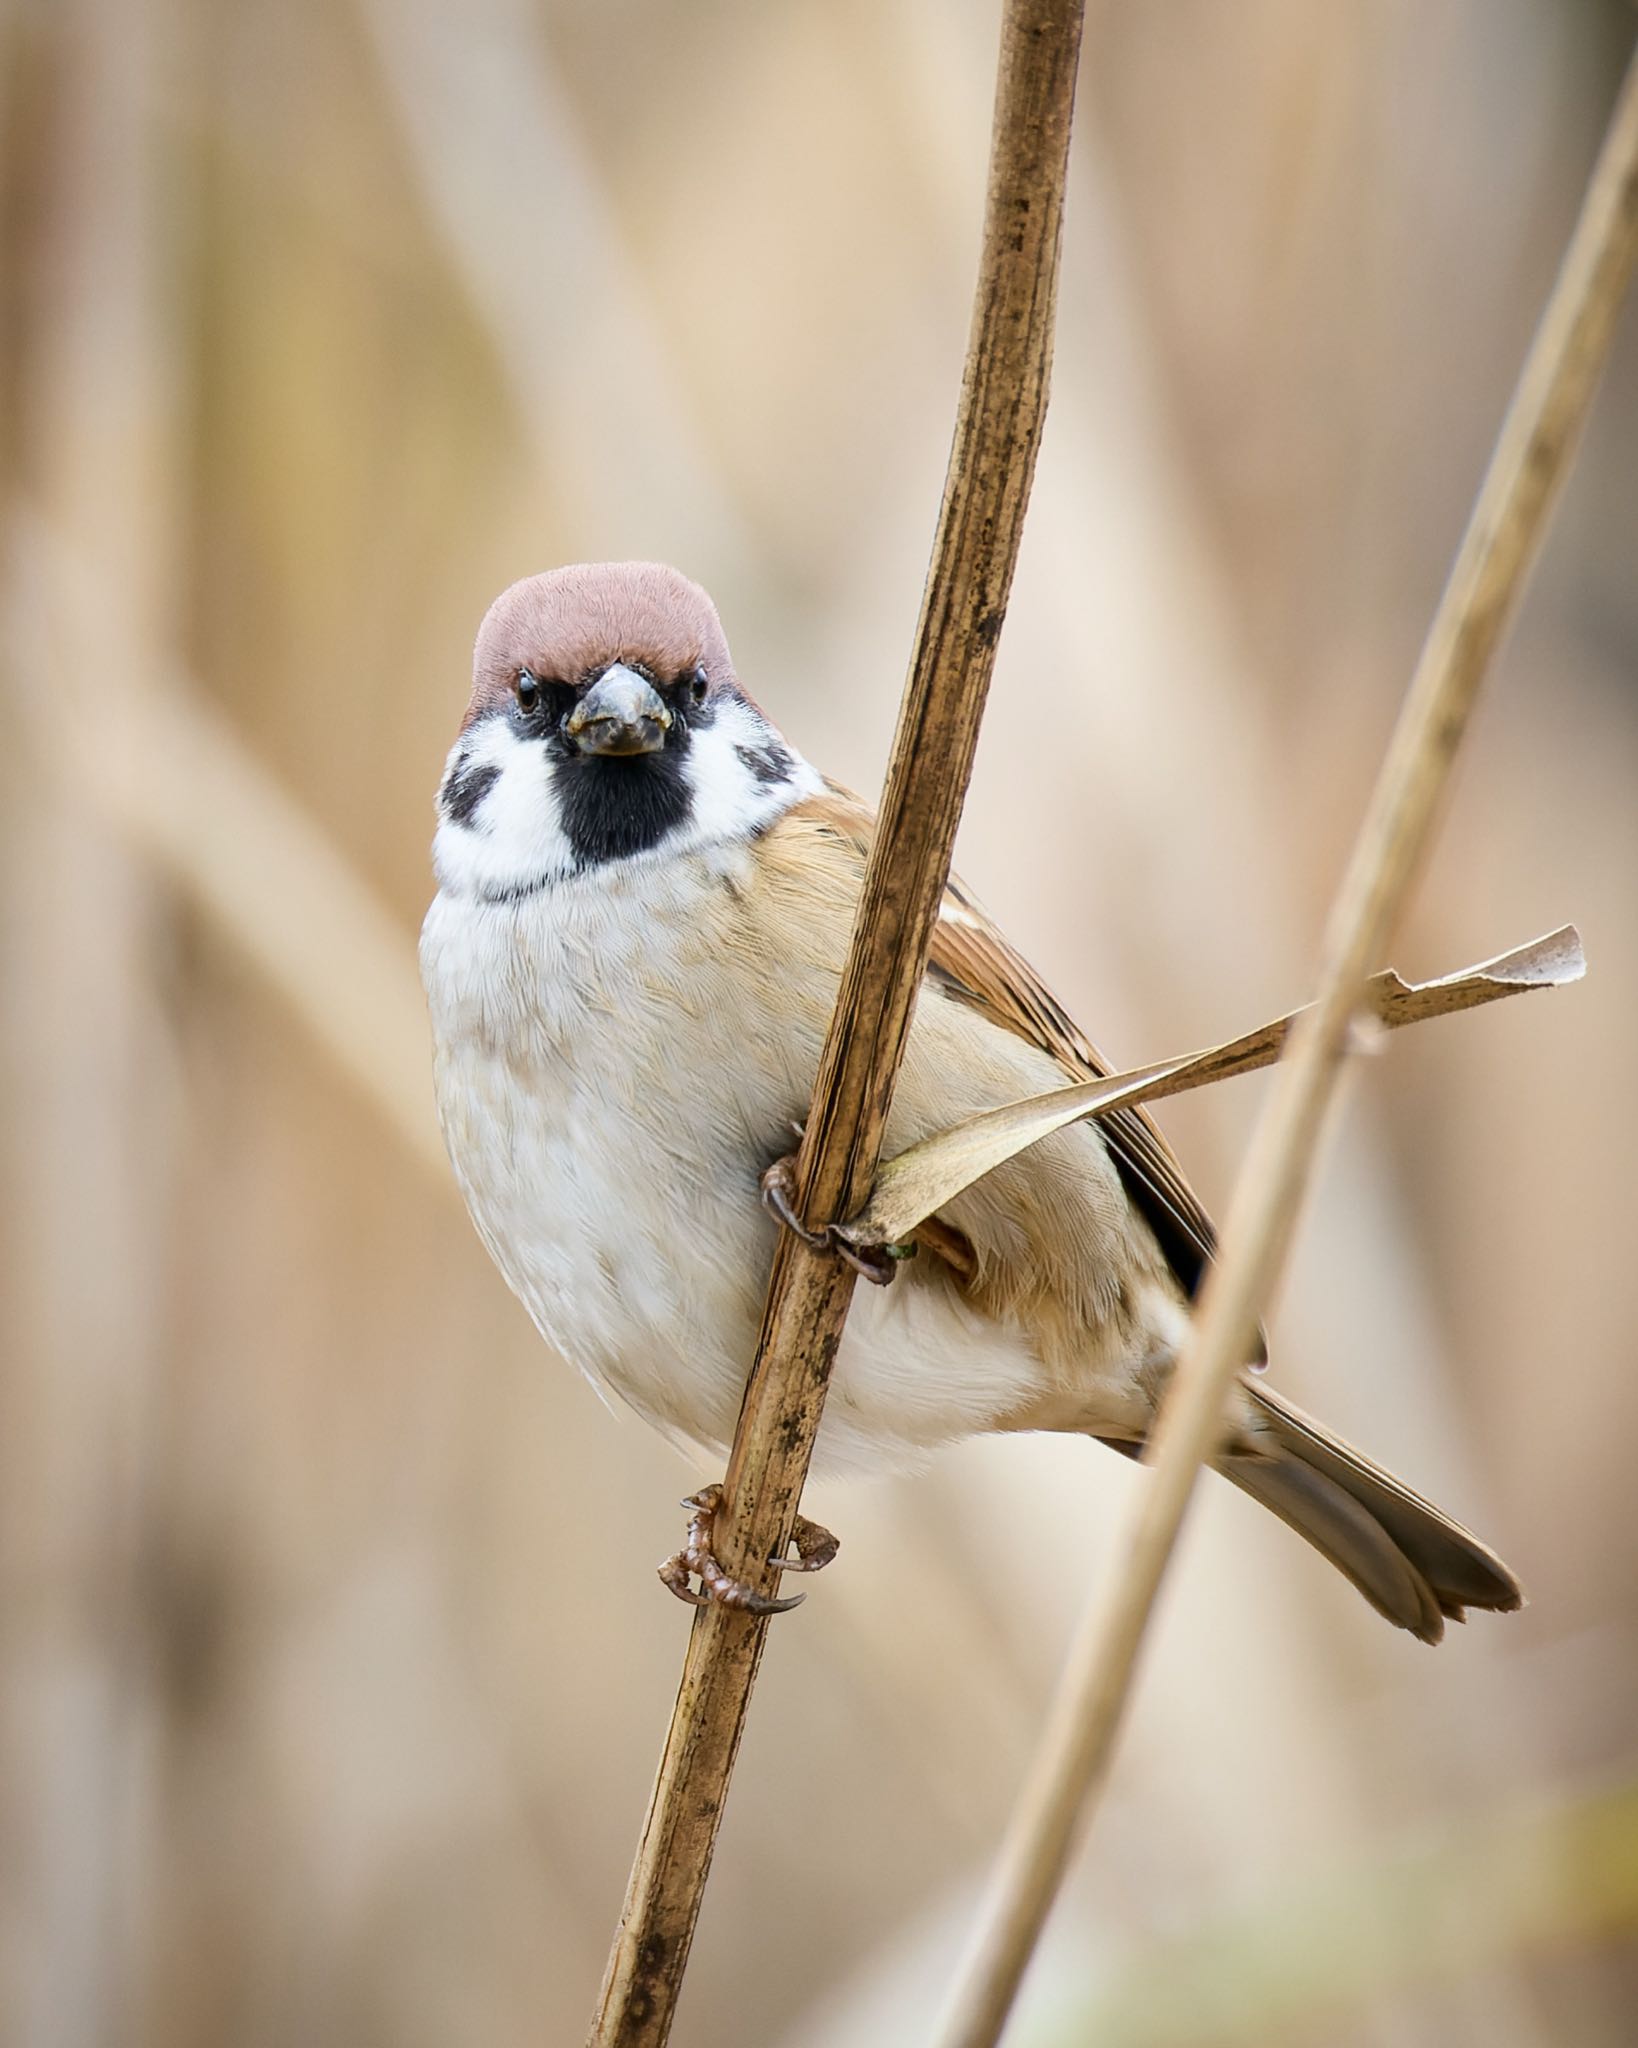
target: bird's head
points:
(605, 724)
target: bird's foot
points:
(875, 1263)
(815, 1547)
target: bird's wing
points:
(976, 963)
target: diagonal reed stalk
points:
(992, 460)
(1503, 537)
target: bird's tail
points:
(1412, 1562)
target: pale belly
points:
(609, 1103)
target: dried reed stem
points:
(1531, 459)
(998, 428)
(170, 771)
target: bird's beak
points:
(619, 714)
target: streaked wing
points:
(973, 960)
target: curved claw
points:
(877, 1264)
(779, 1199)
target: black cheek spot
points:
(769, 763)
(465, 788)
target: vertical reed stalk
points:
(998, 430)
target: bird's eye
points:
(697, 683)
(528, 693)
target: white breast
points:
(610, 1093)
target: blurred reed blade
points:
(494, 139)
(197, 803)
(923, 1178)
(1302, 1962)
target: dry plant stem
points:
(998, 428)
(928, 1175)
(1531, 459)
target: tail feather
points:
(1410, 1560)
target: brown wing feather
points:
(980, 965)
(973, 959)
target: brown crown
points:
(571, 623)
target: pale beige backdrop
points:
(332, 1664)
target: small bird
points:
(645, 896)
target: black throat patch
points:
(613, 806)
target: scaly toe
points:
(718, 1588)
(674, 1577)
(815, 1548)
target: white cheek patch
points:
(742, 775)
(499, 826)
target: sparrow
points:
(645, 895)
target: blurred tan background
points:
(333, 1670)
